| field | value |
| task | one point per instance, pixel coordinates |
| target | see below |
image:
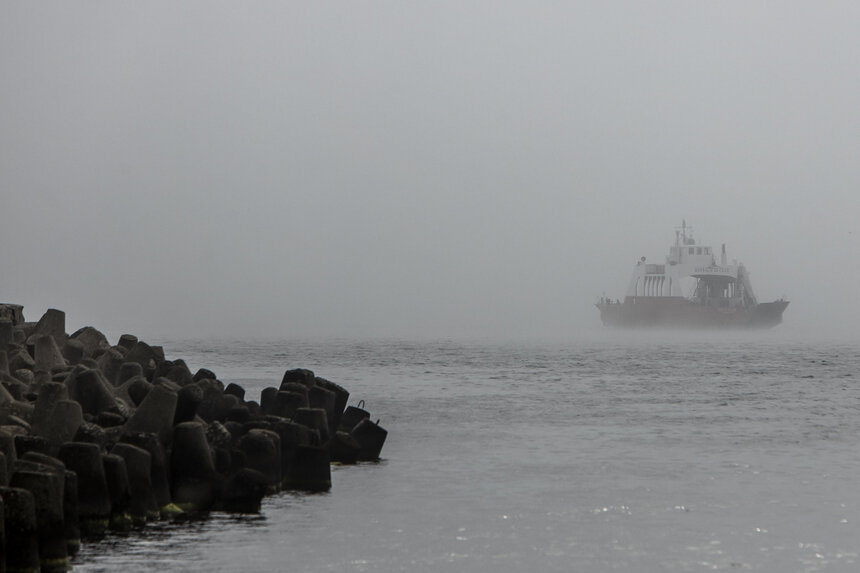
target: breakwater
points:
(97, 437)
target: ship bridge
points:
(692, 270)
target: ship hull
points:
(678, 312)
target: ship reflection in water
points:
(722, 295)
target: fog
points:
(433, 169)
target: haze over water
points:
(363, 181)
(443, 169)
(621, 452)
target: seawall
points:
(98, 437)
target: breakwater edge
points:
(97, 437)
(596, 453)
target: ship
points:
(692, 289)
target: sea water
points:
(616, 452)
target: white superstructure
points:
(708, 281)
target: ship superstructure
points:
(691, 288)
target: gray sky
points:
(419, 169)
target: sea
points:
(614, 451)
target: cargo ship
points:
(692, 289)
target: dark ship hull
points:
(679, 312)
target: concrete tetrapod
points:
(116, 476)
(170, 436)
(39, 462)
(22, 534)
(70, 513)
(158, 470)
(155, 413)
(143, 506)
(49, 394)
(371, 436)
(262, 452)
(310, 469)
(340, 400)
(315, 419)
(93, 496)
(47, 486)
(194, 482)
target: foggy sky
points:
(419, 169)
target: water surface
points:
(623, 452)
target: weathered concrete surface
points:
(140, 435)
(13, 313)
